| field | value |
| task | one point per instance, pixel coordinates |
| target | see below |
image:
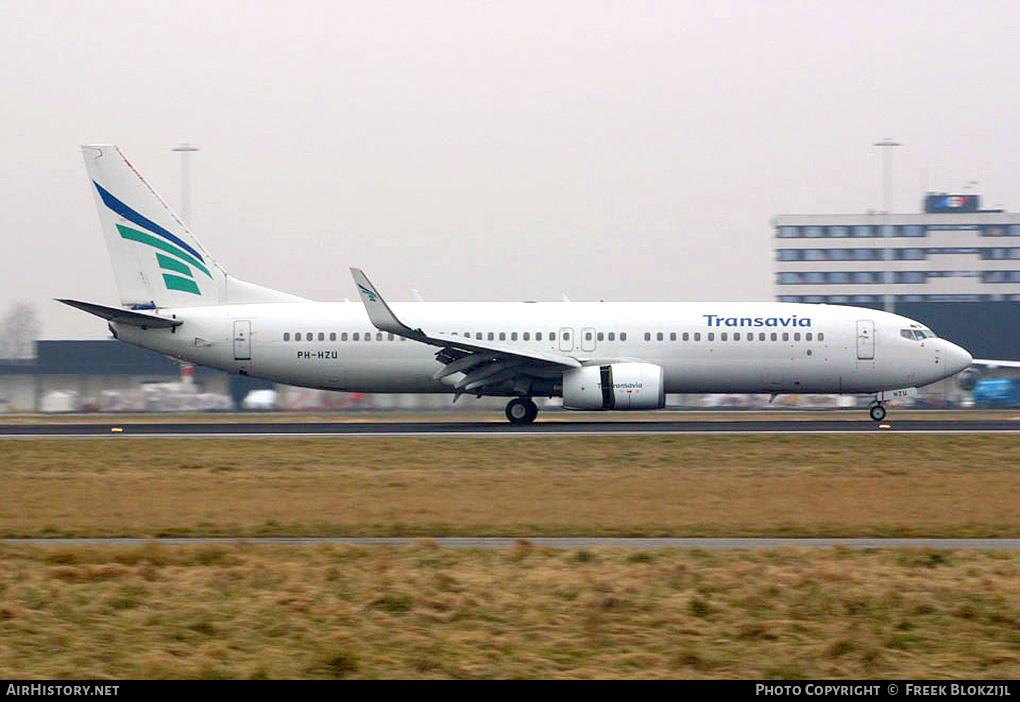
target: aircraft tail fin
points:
(156, 259)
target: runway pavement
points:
(497, 428)
(555, 542)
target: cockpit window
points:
(917, 334)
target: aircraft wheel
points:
(521, 410)
(877, 412)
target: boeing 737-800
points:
(176, 299)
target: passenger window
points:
(538, 337)
(821, 336)
(659, 336)
(297, 336)
(478, 335)
(687, 336)
(761, 336)
(807, 336)
(722, 336)
(492, 336)
(711, 336)
(322, 336)
(736, 336)
(390, 337)
(672, 336)
(286, 336)
(309, 336)
(697, 336)
(612, 336)
(332, 336)
(356, 336)
(786, 336)
(796, 336)
(600, 336)
(648, 336)
(502, 336)
(566, 336)
(527, 336)
(623, 336)
(513, 336)
(343, 336)
(774, 336)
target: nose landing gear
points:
(877, 411)
(521, 410)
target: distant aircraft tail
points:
(156, 259)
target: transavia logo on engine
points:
(715, 320)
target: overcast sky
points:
(492, 150)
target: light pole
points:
(886, 144)
(184, 150)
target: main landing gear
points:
(877, 412)
(521, 410)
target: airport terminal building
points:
(954, 267)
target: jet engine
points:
(967, 380)
(619, 386)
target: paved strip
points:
(242, 429)
(714, 544)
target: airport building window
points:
(788, 232)
(814, 232)
(863, 230)
(911, 230)
(839, 232)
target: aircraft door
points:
(566, 339)
(242, 340)
(865, 339)
(588, 339)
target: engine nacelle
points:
(967, 380)
(619, 386)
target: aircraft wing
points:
(987, 363)
(484, 363)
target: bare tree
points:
(20, 331)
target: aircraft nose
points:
(957, 358)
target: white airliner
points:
(176, 299)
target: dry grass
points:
(873, 485)
(424, 612)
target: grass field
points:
(424, 612)
(759, 485)
(209, 611)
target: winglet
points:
(379, 312)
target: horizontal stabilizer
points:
(115, 314)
